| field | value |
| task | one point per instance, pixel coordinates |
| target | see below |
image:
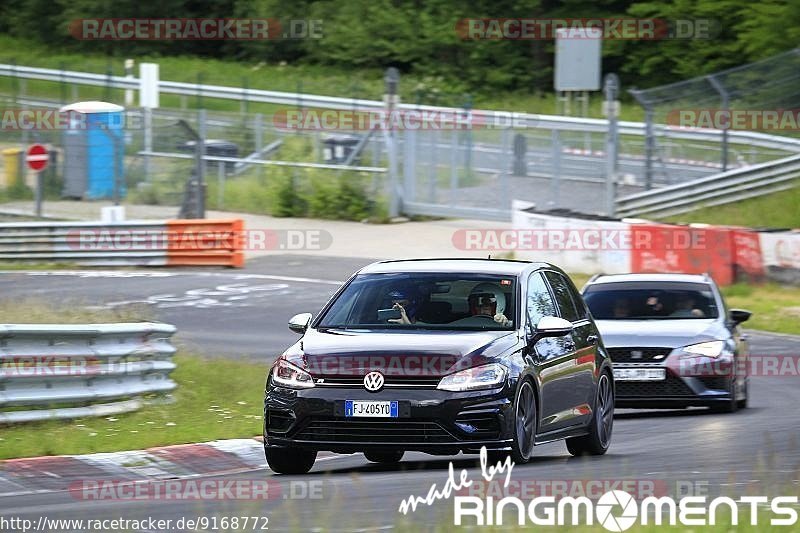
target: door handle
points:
(591, 339)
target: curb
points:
(60, 473)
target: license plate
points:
(368, 408)
(640, 374)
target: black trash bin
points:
(338, 148)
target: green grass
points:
(205, 408)
(777, 210)
(775, 307)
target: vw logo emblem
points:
(373, 381)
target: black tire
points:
(730, 405)
(384, 457)
(600, 428)
(742, 404)
(290, 460)
(525, 424)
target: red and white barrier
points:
(728, 253)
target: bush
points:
(288, 202)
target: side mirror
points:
(740, 315)
(551, 326)
(299, 323)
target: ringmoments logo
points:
(618, 510)
(615, 510)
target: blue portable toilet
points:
(94, 151)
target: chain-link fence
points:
(249, 161)
(720, 101)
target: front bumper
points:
(683, 387)
(430, 420)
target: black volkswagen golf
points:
(441, 356)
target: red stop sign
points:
(37, 157)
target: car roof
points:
(483, 266)
(671, 277)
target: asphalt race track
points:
(754, 451)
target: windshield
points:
(653, 300)
(424, 301)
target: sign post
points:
(37, 159)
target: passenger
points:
(685, 308)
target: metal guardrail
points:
(50, 371)
(142, 243)
(522, 120)
(719, 189)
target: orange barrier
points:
(691, 250)
(205, 242)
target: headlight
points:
(708, 349)
(286, 374)
(480, 377)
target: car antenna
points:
(490, 256)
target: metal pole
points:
(115, 171)
(129, 64)
(39, 193)
(201, 165)
(148, 140)
(221, 184)
(453, 166)
(392, 81)
(433, 166)
(507, 159)
(555, 182)
(259, 139)
(468, 136)
(725, 97)
(611, 90)
(649, 139)
(649, 147)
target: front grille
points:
(638, 355)
(479, 425)
(399, 382)
(670, 387)
(385, 431)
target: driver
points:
(487, 299)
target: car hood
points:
(658, 333)
(340, 352)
